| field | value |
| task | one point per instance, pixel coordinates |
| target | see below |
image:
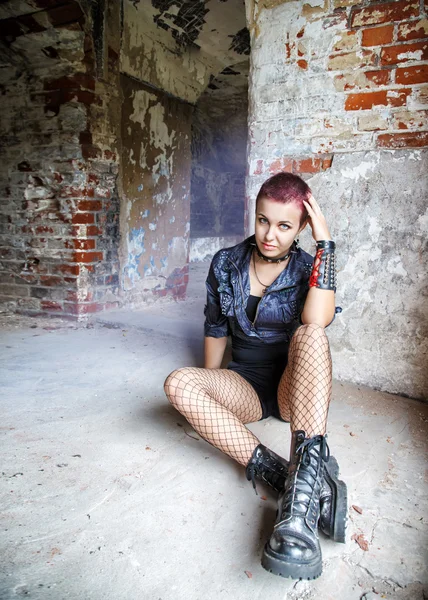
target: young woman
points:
(274, 300)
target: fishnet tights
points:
(217, 402)
(304, 391)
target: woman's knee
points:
(309, 334)
(178, 383)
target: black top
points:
(251, 308)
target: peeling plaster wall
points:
(155, 205)
(338, 94)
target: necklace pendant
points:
(264, 290)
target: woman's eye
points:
(262, 220)
(284, 226)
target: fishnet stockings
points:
(217, 403)
(304, 391)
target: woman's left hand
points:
(316, 220)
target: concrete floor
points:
(107, 493)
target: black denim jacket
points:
(228, 289)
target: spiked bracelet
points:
(324, 270)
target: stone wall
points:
(339, 94)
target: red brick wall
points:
(360, 75)
(59, 219)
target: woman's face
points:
(277, 225)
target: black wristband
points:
(326, 244)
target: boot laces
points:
(305, 447)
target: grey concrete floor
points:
(107, 492)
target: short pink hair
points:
(286, 188)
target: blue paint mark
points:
(136, 239)
(145, 214)
(172, 219)
(140, 187)
(164, 261)
(152, 261)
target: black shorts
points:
(264, 378)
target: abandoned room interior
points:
(135, 135)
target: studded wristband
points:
(323, 274)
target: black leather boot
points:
(267, 466)
(293, 549)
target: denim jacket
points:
(228, 290)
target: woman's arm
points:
(214, 350)
(319, 305)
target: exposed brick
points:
(77, 192)
(384, 13)
(84, 244)
(377, 36)
(350, 60)
(93, 230)
(420, 97)
(74, 308)
(281, 164)
(412, 75)
(83, 218)
(361, 80)
(67, 269)
(338, 20)
(87, 257)
(372, 122)
(417, 119)
(394, 55)
(403, 140)
(89, 205)
(413, 30)
(50, 305)
(50, 280)
(74, 296)
(307, 165)
(303, 64)
(347, 41)
(370, 99)
(14, 290)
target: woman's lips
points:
(268, 247)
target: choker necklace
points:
(272, 260)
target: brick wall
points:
(339, 94)
(59, 205)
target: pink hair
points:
(286, 188)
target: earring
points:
(296, 241)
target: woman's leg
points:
(304, 391)
(217, 403)
(293, 549)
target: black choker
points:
(272, 260)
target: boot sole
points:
(340, 508)
(275, 565)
